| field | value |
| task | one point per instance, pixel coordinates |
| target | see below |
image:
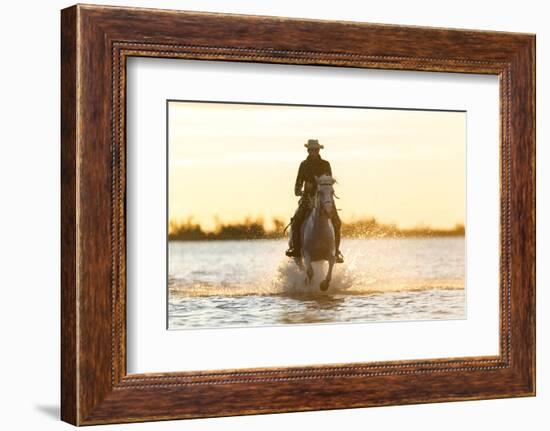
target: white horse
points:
(317, 232)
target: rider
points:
(313, 166)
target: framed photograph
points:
(264, 214)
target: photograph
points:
(284, 214)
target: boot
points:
(338, 255)
(294, 250)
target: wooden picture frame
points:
(95, 43)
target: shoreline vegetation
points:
(251, 229)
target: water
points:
(251, 283)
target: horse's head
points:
(325, 194)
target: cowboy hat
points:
(313, 143)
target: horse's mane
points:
(325, 180)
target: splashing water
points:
(252, 283)
(289, 279)
(238, 268)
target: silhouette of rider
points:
(313, 166)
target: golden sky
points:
(236, 160)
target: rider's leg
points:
(297, 221)
(337, 224)
(296, 225)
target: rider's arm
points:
(299, 180)
(329, 169)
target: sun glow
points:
(230, 162)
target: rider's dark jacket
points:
(309, 169)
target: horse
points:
(317, 232)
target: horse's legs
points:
(299, 263)
(309, 269)
(326, 281)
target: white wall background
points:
(29, 225)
